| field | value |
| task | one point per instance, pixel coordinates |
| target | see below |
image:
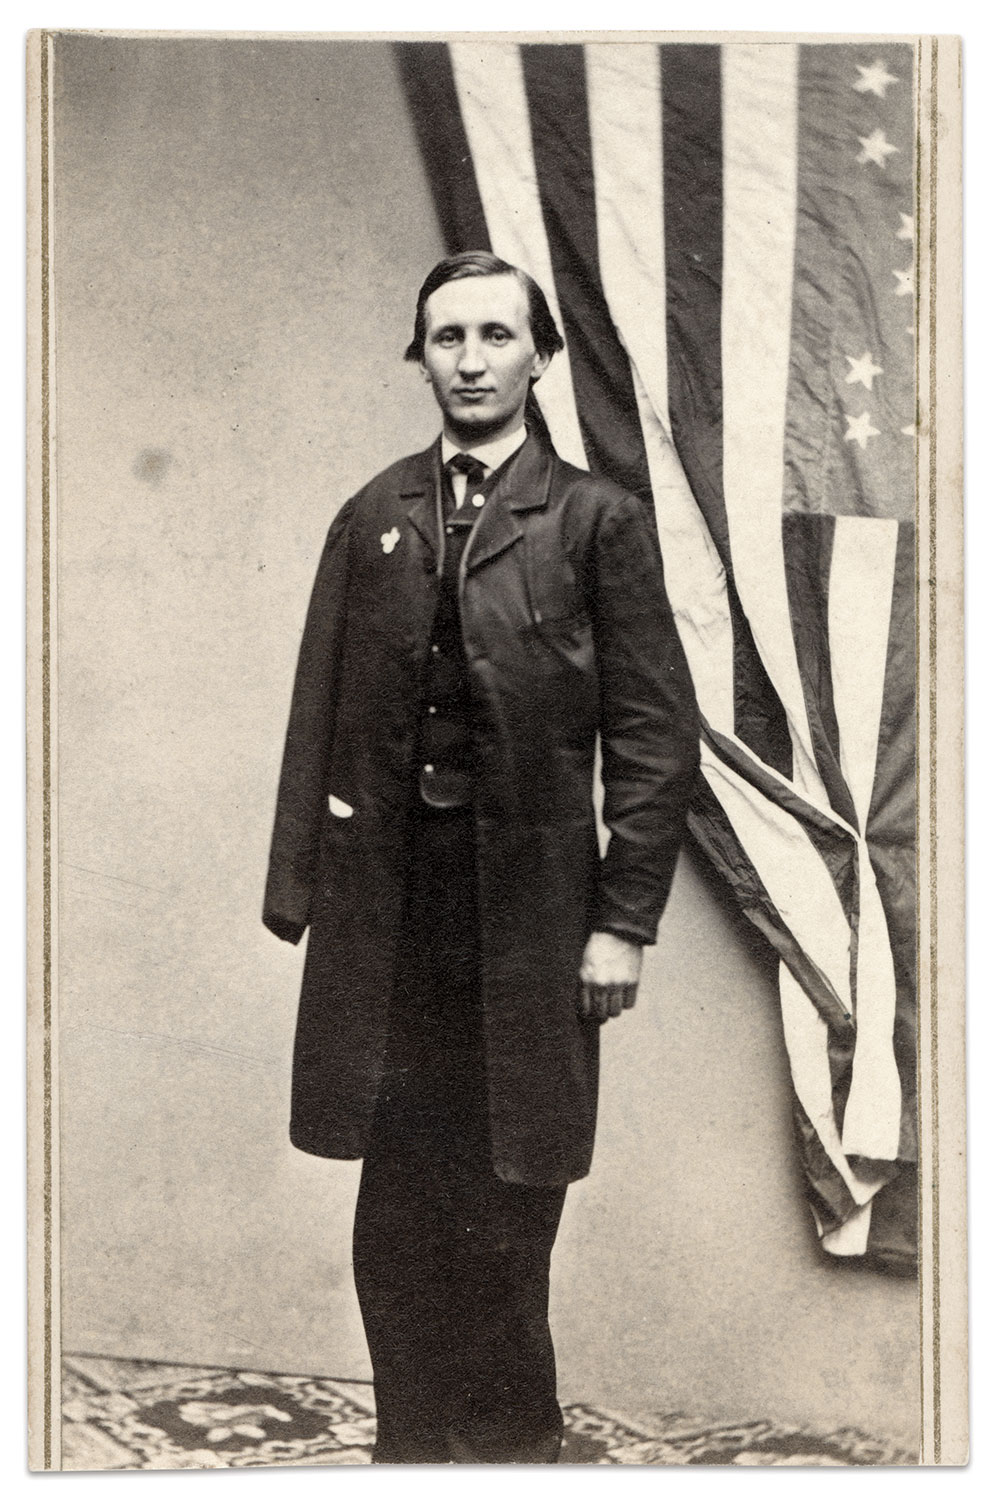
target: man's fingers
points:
(603, 1000)
(592, 1001)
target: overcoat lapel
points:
(522, 486)
(422, 487)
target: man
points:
(483, 614)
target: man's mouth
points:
(472, 393)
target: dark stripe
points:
(827, 1193)
(429, 85)
(555, 82)
(892, 824)
(691, 84)
(834, 844)
(709, 824)
(808, 548)
(691, 102)
(759, 717)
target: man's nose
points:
(472, 360)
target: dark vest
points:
(446, 769)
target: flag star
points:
(875, 148)
(905, 282)
(860, 430)
(910, 432)
(905, 231)
(874, 80)
(863, 370)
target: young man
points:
(483, 614)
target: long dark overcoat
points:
(569, 638)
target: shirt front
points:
(491, 456)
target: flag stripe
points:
(872, 1115)
(808, 548)
(429, 85)
(691, 82)
(624, 98)
(623, 108)
(691, 132)
(711, 827)
(555, 84)
(891, 832)
(490, 90)
(792, 870)
(806, 1037)
(759, 160)
(862, 573)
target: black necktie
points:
(473, 469)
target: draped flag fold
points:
(725, 237)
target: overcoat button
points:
(479, 500)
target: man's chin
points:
(477, 424)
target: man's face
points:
(480, 357)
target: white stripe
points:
(623, 89)
(862, 573)
(759, 145)
(851, 1239)
(806, 1039)
(874, 1106)
(623, 92)
(491, 95)
(792, 870)
(692, 572)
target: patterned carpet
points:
(123, 1415)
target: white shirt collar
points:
(491, 454)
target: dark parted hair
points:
(548, 340)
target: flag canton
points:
(850, 415)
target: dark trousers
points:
(451, 1263)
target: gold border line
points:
(47, 1144)
(932, 792)
(918, 242)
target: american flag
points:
(725, 237)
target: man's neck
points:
(492, 452)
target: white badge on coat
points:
(390, 539)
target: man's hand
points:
(609, 976)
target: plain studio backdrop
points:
(240, 230)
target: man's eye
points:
(498, 336)
(447, 338)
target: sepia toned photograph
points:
(495, 751)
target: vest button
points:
(428, 767)
(479, 500)
(432, 709)
(435, 649)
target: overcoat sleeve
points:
(302, 790)
(649, 723)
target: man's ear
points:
(424, 371)
(539, 365)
